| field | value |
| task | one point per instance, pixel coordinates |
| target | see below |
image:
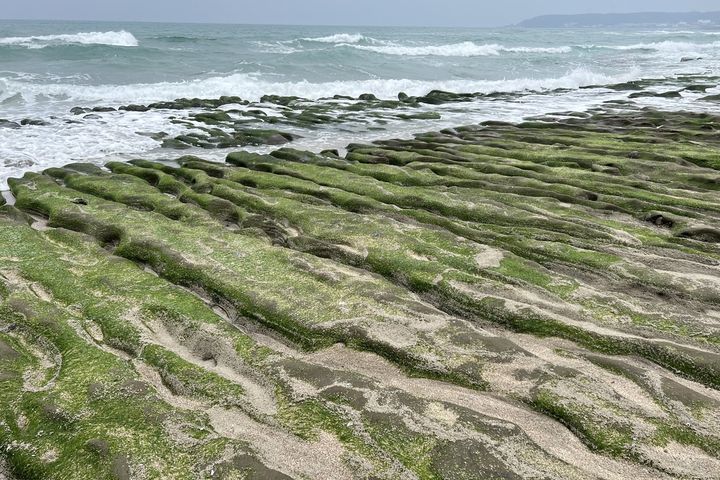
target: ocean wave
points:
(563, 49)
(253, 86)
(282, 48)
(667, 46)
(463, 49)
(341, 38)
(181, 39)
(117, 39)
(676, 32)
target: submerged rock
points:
(135, 108)
(437, 97)
(34, 122)
(670, 94)
(79, 110)
(8, 124)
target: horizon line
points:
(212, 22)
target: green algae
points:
(422, 281)
(413, 451)
(119, 411)
(408, 249)
(90, 378)
(611, 439)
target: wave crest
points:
(463, 49)
(340, 38)
(117, 39)
(252, 87)
(667, 46)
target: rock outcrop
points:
(535, 300)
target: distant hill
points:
(617, 19)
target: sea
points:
(48, 68)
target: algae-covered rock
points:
(212, 118)
(698, 88)
(670, 94)
(437, 97)
(33, 122)
(534, 300)
(134, 108)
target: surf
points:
(120, 38)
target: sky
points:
(480, 13)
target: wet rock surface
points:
(534, 300)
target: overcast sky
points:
(333, 12)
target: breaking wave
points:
(463, 49)
(340, 38)
(117, 39)
(667, 46)
(253, 87)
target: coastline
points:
(214, 127)
(526, 299)
(60, 104)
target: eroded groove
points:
(535, 264)
(623, 344)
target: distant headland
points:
(706, 19)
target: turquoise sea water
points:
(46, 68)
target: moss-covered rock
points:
(523, 301)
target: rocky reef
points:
(229, 122)
(535, 300)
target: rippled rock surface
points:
(539, 300)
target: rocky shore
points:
(535, 300)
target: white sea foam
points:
(471, 49)
(118, 39)
(668, 32)
(563, 49)
(36, 148)
(645, 33)
(252, 87)
(332, 62)
(341, 38)
(113, 136)
(667, 46)
(463, 49)
(282, 48)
